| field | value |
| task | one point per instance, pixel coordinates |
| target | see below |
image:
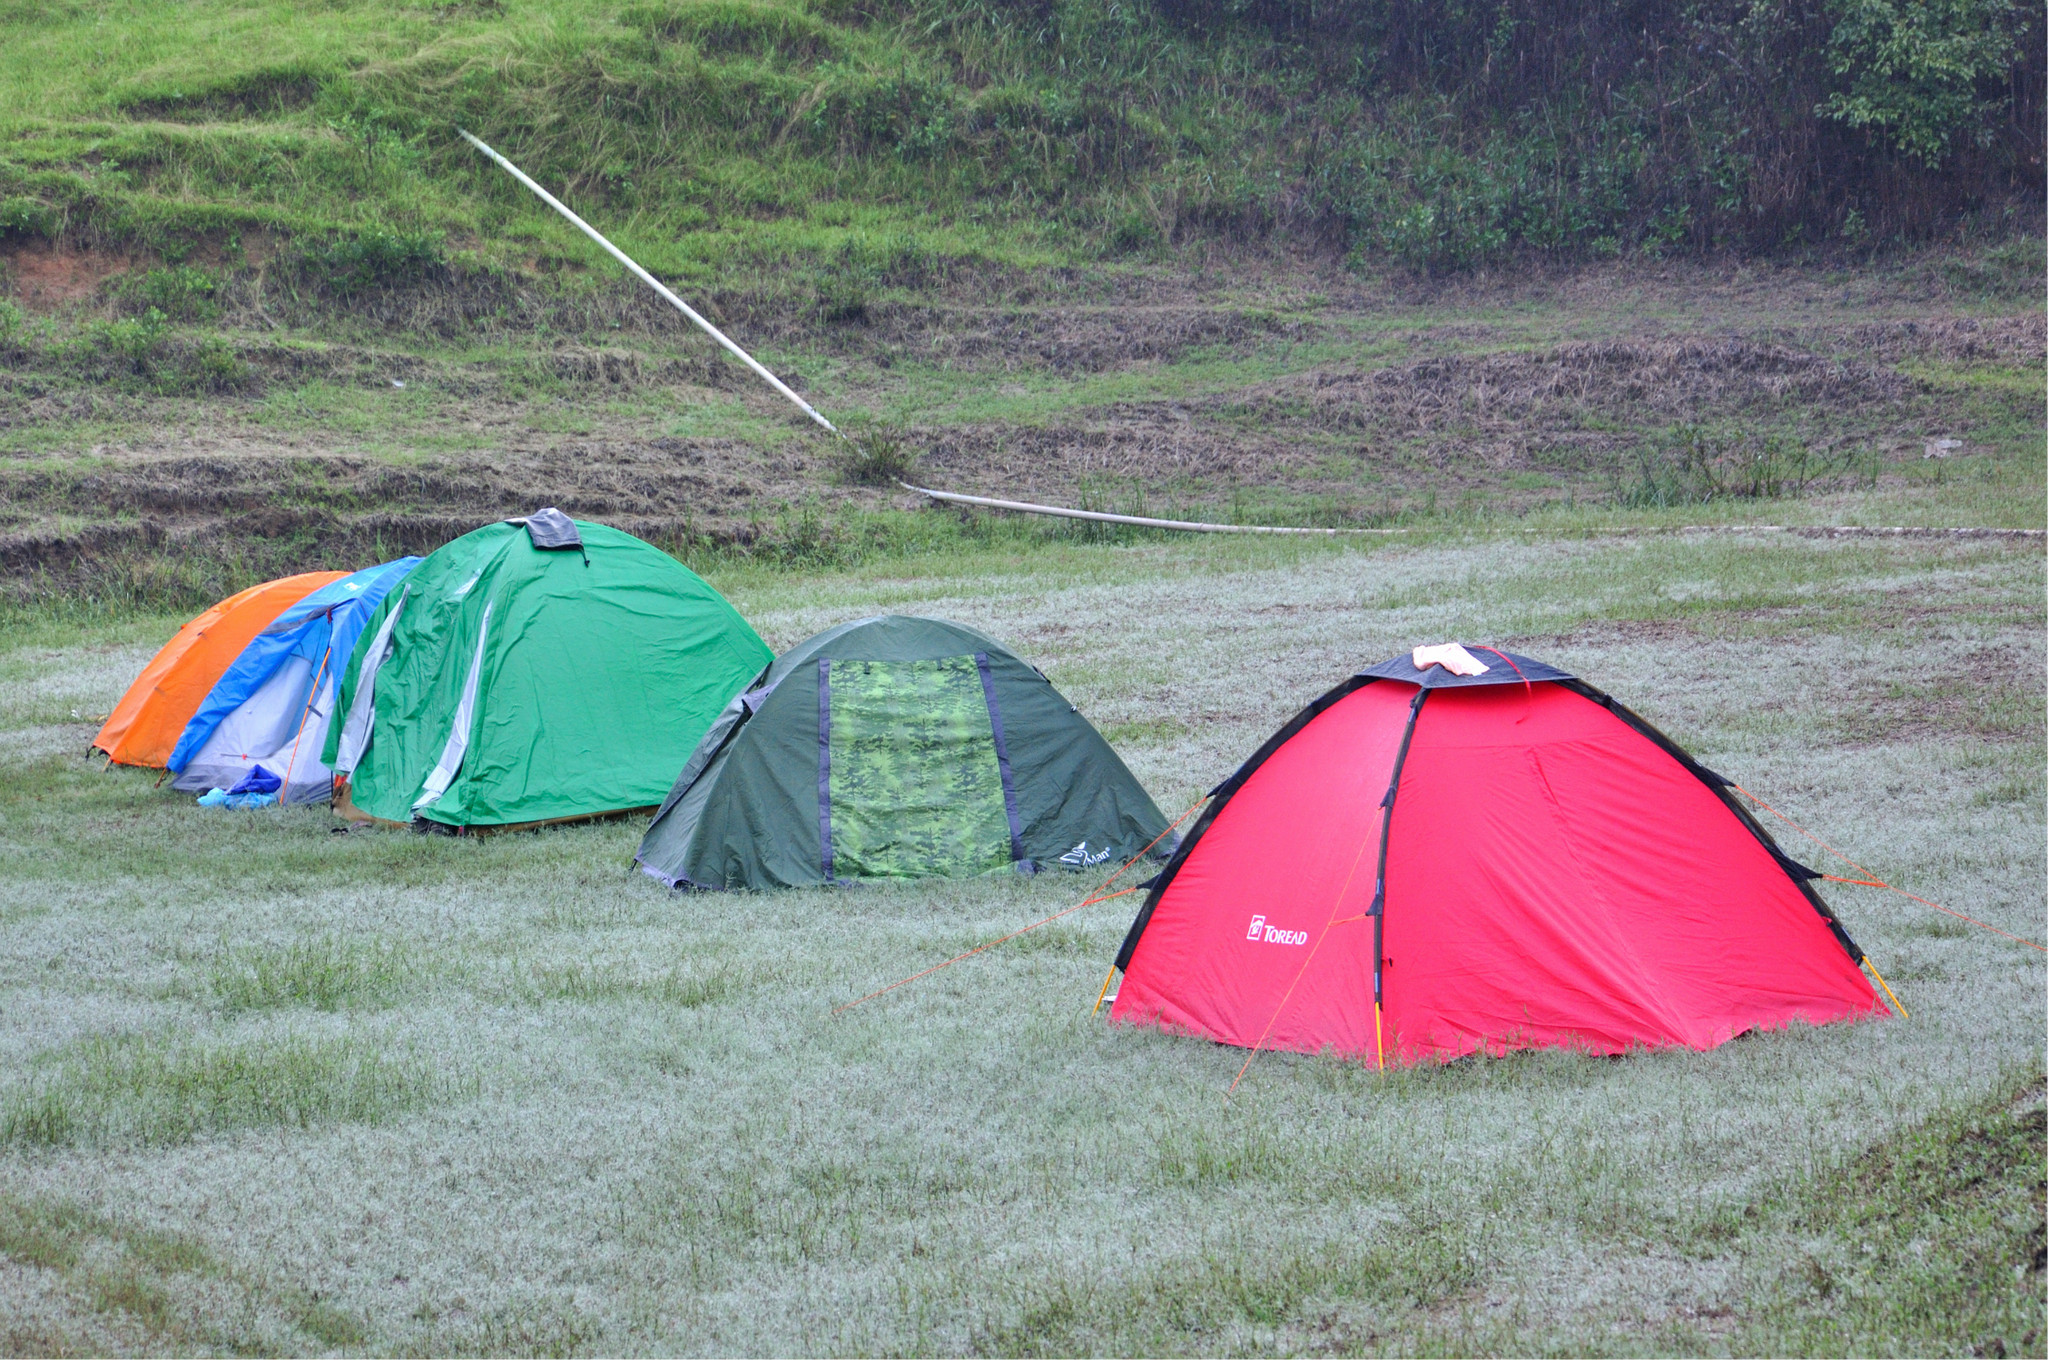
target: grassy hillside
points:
(1384, 263)
(887, 139)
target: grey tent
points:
(896, 748)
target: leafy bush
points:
(1927, 74)
(901, 112)
(21, 216)
(136, 342)
(141, 351)
(210, 366)
(349, 265)
(179, 292)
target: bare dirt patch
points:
(1083, 339)
(46, 278)
(1993, 694)
(1578, 397)
(1452, 423)
(2004, 340)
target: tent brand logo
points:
(1273, 935)
(1079, 855)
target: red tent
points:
(1424, 864)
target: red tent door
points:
(1263, 932)
(1556, 878)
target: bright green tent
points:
(897, 748)
(533, 671)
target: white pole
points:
(651, 282)
(804, 406)
(1192, 526)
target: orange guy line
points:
(1288, 995)
(1873, 881)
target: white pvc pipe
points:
(1193, 526)
(1595, 531)
(652, 282)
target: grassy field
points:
(1365, 263)
(264, 1087)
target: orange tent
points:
(144, 727)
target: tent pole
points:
(1107, 978)
(1904, 1014)
(312, 695)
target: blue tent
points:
(271, 706)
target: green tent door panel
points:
(911, 769)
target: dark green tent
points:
(896, 748)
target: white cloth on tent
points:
(444, 771)
(362, 714)
(1451, 657)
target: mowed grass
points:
(406, 1093)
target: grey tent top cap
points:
(550, 528)
(1502, 668)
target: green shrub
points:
(862, 113)
(1926, 74)
(180, 292)
(21, 216)
(350, 265)
(134, 342)
(143, 352)
(209, 366)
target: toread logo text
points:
(1273, 934)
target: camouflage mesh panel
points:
(916, 789)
